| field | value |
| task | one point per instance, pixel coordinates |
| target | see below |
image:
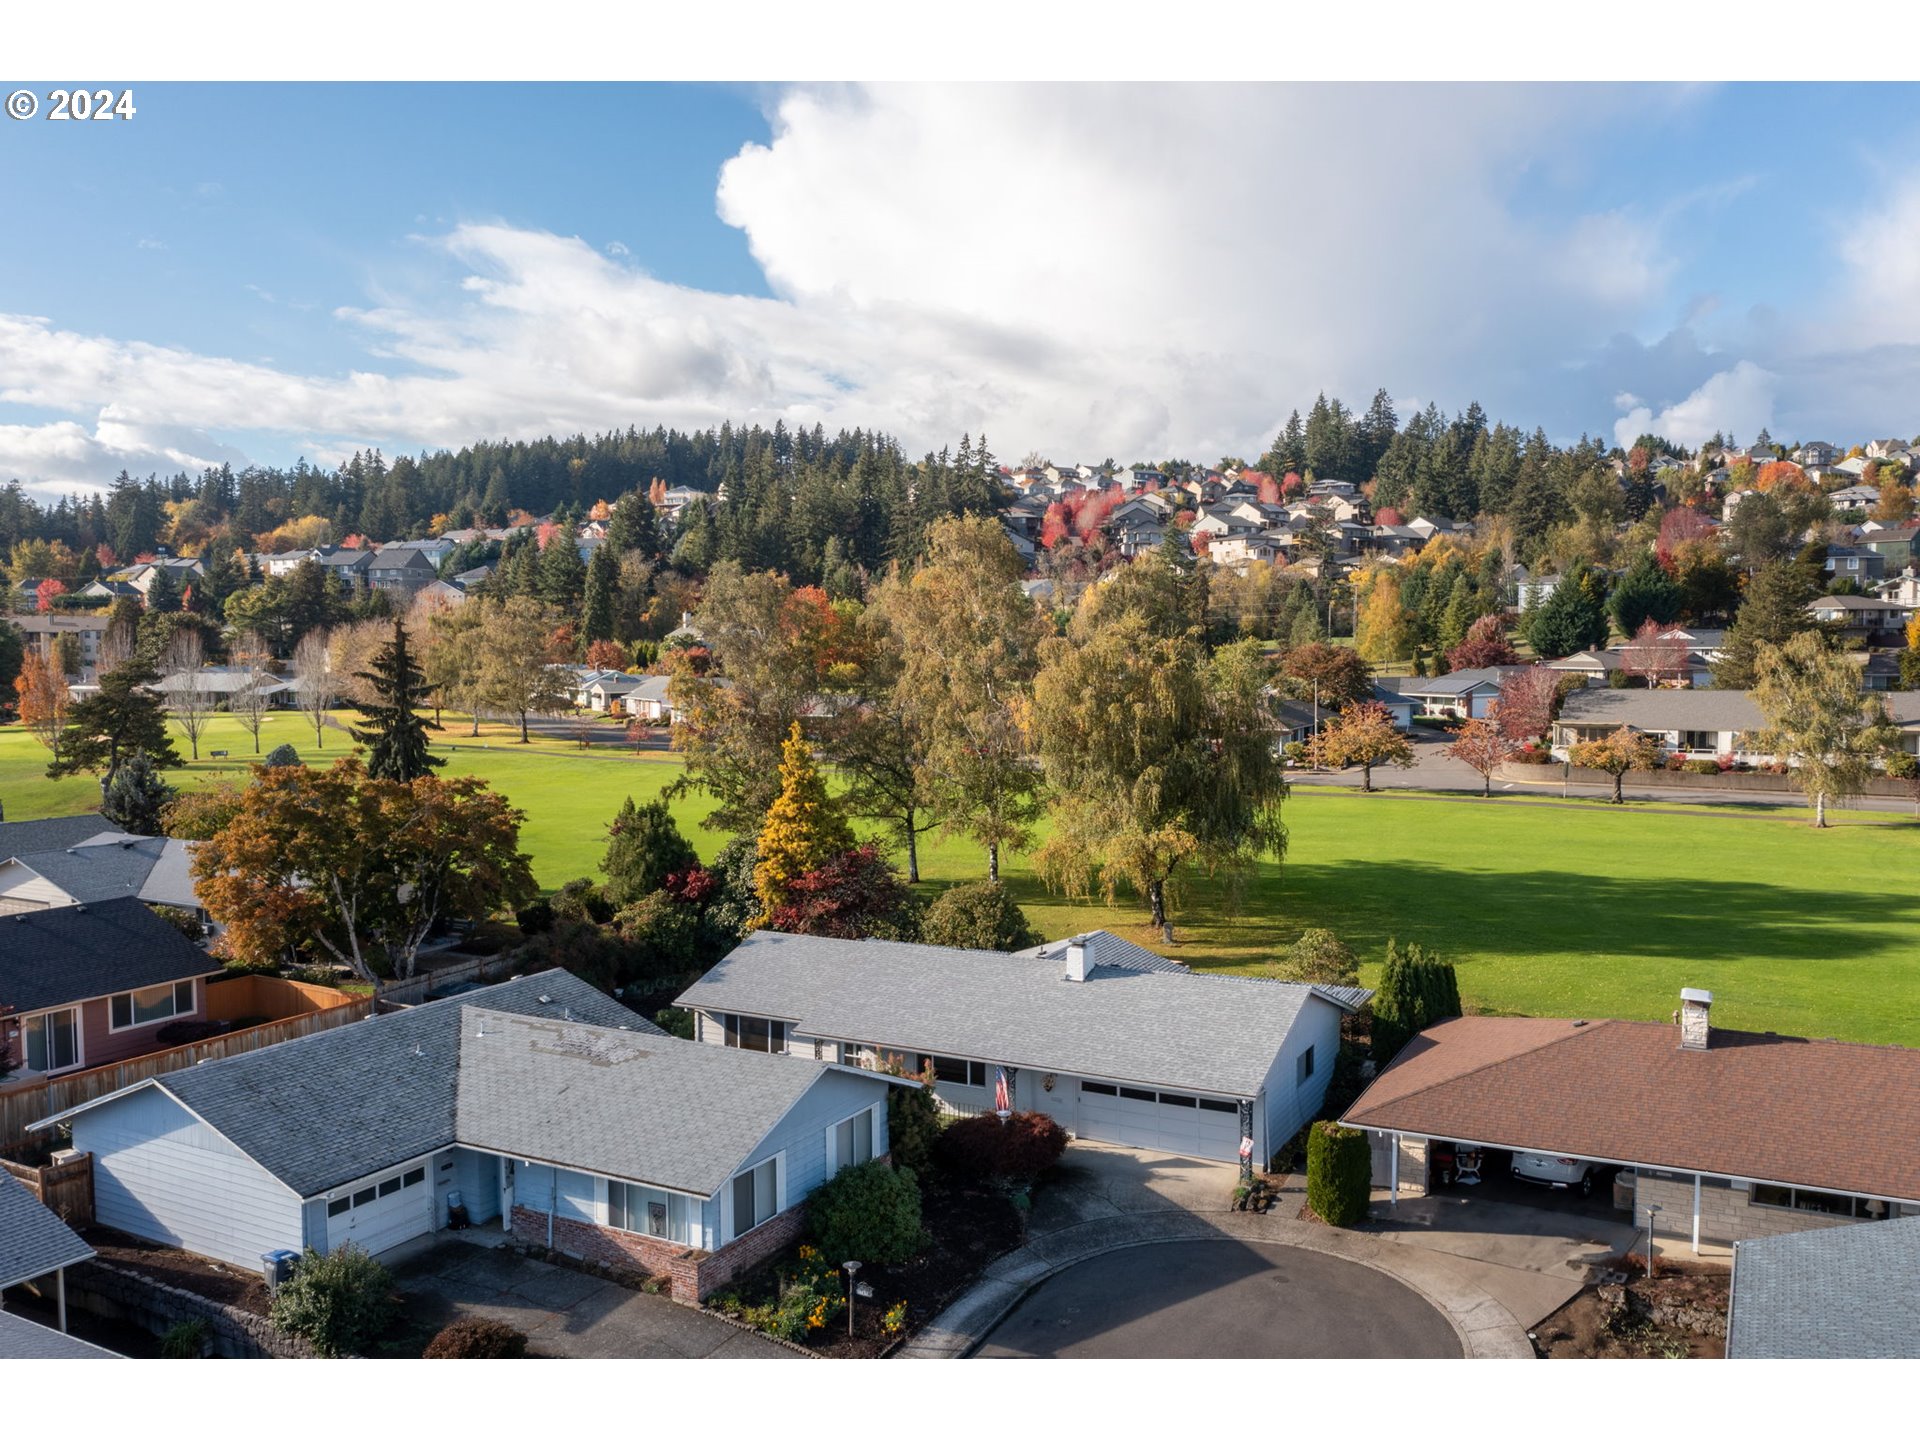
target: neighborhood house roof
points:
(22, 1339)
(26, 837)
(1449, 686)
(117, 867)
(33, 1240)
(1819, 1113)
(1210, 1033)
(76, 952)
(1664, 709)
(1849, 1293)
(668, 1111)
(328, 1108)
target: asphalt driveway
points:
(565, 1313)
(1221, 1299)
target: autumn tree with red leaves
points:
(1483, 747)
(1485, 644)
(1529, 699)
(46, 592)
(1656, 655)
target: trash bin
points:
(1623, 1188)
(276, 1267)
(457, 1211)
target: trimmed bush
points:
(981, 1148)
(869, 1213)
(476, 1339)
(913, 1125)
(1339, 1173)
(339, 1303)
(978, 916)
(282, 755)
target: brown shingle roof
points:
(1819, 1113)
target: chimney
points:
(1076, 959)
(1695, 1008)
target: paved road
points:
(1433, 770)
(1220, 1298)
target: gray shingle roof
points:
(25, 837)
(91, 873)
(1663, 709)
(1852, 1292)
(33, 1240)
(1210, 1033)
(21, 1339)
(664, 1111)
(1105, 949)
(57, 956)
(334, 1106)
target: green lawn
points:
(1548, 909)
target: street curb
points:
(1485, 1328)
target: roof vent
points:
(1076, 970)
(1696, 1007)
(546, 1000)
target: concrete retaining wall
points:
(1681, 780)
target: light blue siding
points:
(161, 1174)
(477, 1177)
(568, 1193)
(802, 1134)
(1289, 1103)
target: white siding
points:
(708, 1030)
(1290, 1104)
(162, 1175)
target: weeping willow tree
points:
(1160, 759)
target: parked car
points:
(1558, 1172)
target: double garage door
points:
(382, 1210)
(1160, 1120)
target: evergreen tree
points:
(602, 590)
(1644, 593)
(105, 729)
(644, 847)
(1417, 989)
(136, 796)
(560, 577)
(396, 731)
(163, 594)
(634, 526)
(1573, 618)
(804, 827)
(1773, 612)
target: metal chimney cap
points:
(1705, 997)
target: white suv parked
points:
(1558, 1172)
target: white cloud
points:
(1737, 402)
(1133, 271)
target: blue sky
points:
(249, 272)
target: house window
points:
(1699, 740)
(1306, 1065)
(152, 1005)
(949, 1071)
(850, 1142)
(643, 1210)
(1089, 1087)
(52, 1041)
(749, 1032)
(755, 1196)
(1818, 1202)
(1220, 1107)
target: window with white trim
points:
(949, 1071)
(643, 1210)
(751, 1032)
(756, 1196)
(150, 1006)
(1818, 1202)
(850, 1142)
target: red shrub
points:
(982, 1148)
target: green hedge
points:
(868, 1212)
(1339, 1173)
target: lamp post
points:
(852, 1267)
(1652, 1210)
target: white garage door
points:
(382, 1210)
(1160, 1120)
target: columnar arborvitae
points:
(396, 731)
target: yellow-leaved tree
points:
(804, 827)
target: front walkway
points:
(1106, 1198)
(563, 1313)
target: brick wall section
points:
(1725, 1215)
(691, 1275)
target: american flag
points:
(1001, 1100)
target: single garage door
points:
(1167, 1120)
(382, 1210)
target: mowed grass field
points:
(1549, 909)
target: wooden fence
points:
(64, 1186)
(268, 997)
(20, 1106)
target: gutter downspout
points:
(60, 1293)
(1696, 1212)
(1393, 1166)
(553, 1201)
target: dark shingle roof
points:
(94, 873)
(331, 1107)
(33, 1240)
(24, 837)
(1849, 1293)
(75, 952)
